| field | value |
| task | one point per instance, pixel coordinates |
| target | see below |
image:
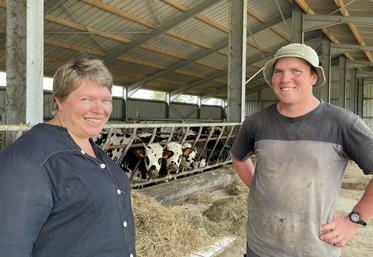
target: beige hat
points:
(295, 50)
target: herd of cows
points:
(152, 154)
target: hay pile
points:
(168, 232)
(179, 231)
(237, 187)
(230, 213)
(200, 197)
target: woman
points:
(61, 196)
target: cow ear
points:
(187, 151)
(139, 152)
(167, 154)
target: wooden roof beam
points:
(307, 9)
(139, 20)
(343, 10)
(161, 29)
(280, 33)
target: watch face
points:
(355, 217)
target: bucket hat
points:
(302, 51)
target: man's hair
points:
(69, 76)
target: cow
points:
(190, 156)
(113, 142)
(144, 162)
(140, 162)
(172, 155)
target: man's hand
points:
(339, 231)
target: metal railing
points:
(212, 139)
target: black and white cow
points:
(190, 156)
(172, 155)
(141, 162)
(144, 162)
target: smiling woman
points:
(63, 195)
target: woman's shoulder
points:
(37, 144)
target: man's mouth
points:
(286, 89)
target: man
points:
(302, 146)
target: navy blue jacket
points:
(57, 201)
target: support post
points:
(237, 60)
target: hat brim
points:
(269, 65)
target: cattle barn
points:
(186, 72)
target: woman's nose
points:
(98, 106)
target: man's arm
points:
(342, 229)
(244, 169)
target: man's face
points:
(86, 110)
(292, 80)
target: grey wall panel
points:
(335, 86)
(2, 100)
(252, 107)
(350, 101)
(180, 111)
(252, 97)
(368, 104)
(210, 112)
(267, 94)
(317, 92)
(118, 109)
(259, 100)
(48, 107)
(146, 110)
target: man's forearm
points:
(365, 205)
(244, 169)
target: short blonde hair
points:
(69, 76)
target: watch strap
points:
(355, 217)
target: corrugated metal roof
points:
(98, 28)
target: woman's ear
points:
(58, 104)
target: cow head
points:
(173, 153)
(188, 160)
(113, 141)
(153, 159)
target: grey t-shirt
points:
(298, 174)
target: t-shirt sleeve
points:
(26, 201)
(359, 145)
(243, 145)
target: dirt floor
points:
(353, 185)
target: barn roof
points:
(181, 46)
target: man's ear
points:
(314, 78)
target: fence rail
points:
(213, 139)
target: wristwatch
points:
(355, 217)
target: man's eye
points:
(107, 101)
(85, 99)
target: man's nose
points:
(286, 76)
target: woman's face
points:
(86, 110)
